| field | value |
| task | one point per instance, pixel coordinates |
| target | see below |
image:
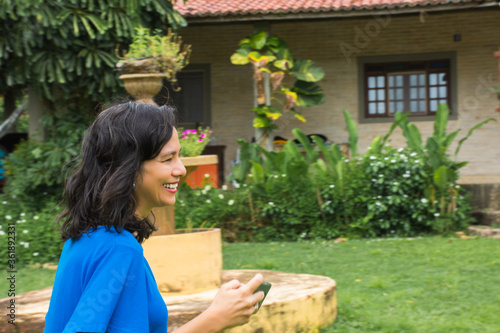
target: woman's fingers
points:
(253, 284)
(233, 284)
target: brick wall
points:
(320, 40)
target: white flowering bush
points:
(387, 194)
(37, 238)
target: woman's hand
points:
(236, 302)
(233, 305)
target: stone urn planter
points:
(142, 78)
(143, 86)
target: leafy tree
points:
(65, 49)
(271, 57)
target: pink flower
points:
(185, 133)
(210, 131)
(193, 131)
(184, 137)
(202, 135)
(201, 140)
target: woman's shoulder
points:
(111, 237)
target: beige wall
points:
(319, 40)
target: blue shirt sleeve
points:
(113, 298)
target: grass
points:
(418, 285)
(392, 285)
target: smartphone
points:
(265, 286)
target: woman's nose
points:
(179, 169)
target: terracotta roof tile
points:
(203, 8)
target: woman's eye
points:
(168, 160)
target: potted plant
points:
(149, 60)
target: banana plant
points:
(272, 62)
(435, 152)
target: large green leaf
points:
(308, 93)
(309, 100)
(276, 44)
(353, 133)
(240, 57)
(471, 131)
(376, 145)
(258, 40)
(311, 153)
(307, 88)
(258, 175)
(307, 70)
(414, 138)
(443, 176)
(441, 121)
(284, 59)
(327, 154)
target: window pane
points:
(413, 80)
(399, 80)
(399, 106)
(391, 81)
(442, 92)
(422, 106)
(381, 108)
(392, 107)
(434, 105)
(421, 94)
(413, 106)
(381, 81)
(443, 101)
(371, 82)
(391, 94)
(413, 93)
(371, 95)
(442, 78)
(372, 108)
(381, 94)
(399, 94)
(433, 79)
(422, 79)
(433, 92)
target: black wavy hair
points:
(113, 149)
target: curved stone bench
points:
(295, 303)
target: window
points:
(193, 99)
(416, 85)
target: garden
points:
(381, 223)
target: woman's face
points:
(157, 184)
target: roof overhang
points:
(399, 9)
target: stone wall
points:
(319, 40)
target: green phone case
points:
(265, 286)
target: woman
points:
(129, 164)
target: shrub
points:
(37, 238)
(35, 170)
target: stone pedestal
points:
(186, 262)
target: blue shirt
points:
(104, 284)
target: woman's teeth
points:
(170, 186)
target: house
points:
(378, 55)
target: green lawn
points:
(419, 285)
(402, 285)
